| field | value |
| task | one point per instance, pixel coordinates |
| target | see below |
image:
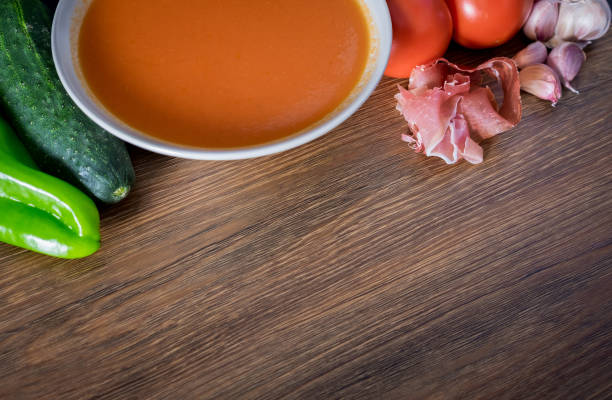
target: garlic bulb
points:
(582, 20)
(535, 53)
(541, 81)
(566, 60)
(542, 21)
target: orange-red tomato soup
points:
(222, 73)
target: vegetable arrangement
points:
(38, 211)
(422, 29)
(60, 138)
(450, 109)
(567, 27)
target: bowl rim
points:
(149, 142)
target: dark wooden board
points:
(347, 268)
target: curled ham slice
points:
(449, 109)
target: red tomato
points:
(422, 30)
(481, 24)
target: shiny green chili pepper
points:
(40, 212)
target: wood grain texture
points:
(347, 268)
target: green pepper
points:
(40, 212)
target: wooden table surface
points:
(350, 267)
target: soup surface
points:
(222, 73)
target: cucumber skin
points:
(62, 140)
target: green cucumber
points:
(59, 137)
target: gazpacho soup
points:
(223, 73)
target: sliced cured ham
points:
(450, 109)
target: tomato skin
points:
(481, 24)
(422, 30)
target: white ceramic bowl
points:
(66, 27)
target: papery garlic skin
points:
(566, 60)
(535, 53)
(541, 81)
(542, 21)
(582, 20)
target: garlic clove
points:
(535, 53)
(556, 41)
(541, 22)
(541, 81)
(566, 60)
(582, 20)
